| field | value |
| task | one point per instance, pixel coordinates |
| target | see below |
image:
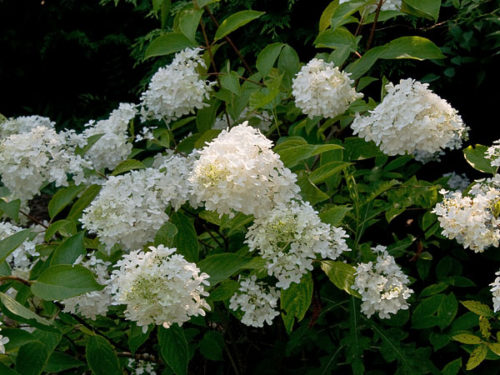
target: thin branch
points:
(32, 218)
(15, 278)
(374, 25)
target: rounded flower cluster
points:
(382, 285)
(321, 89)
(28, 160)
(23, 124)
(493, 153)
(141, 367)
(176, 89)
(495, 291)
(159, 287)
(92, 303)
(128, 211)
(411, 119)
(238, 171)
(290, 237)
(113, 146)
(257, 301)
(473, 219)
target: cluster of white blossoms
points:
(495, 291)
(457, 181)
(493, 153)
(411, 119)
(290, 237)
(472, 219)
(259, 120)
(257, 301)
(96, 302)
(113, 146)
(382, 285)
(21, 260)
(386, 5)
(23, 124)
(3, 341)
(176, 90)
(128, 210)
(159, 287)
(238, 171)
(321, 89)
(30, 159)
(141, 367)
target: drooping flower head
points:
(321, 89)
(159, 287)
(290, 237)
(238, 171)
(411, 119)
(382, 285)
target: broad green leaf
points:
(11, 243)
(267, 57)
(494, 347)
(437, 310)
(205, 117)
(92, 140)
(334, 215)
(326, 16)
(343, 13)
(174, 348)
(65, 227)
(224, 291)
(467, 338)
(476, 357)
(11, 209)
(137, 337)
(69, 250)
(212, 345)
(62, 198)
(291, 154)
(295, 301)
(422, 8)
(188, 21)
(341, 275)
(203, 3)
(186, 239)
(85, 199)
(309, 191)
(101, 357)
(327, 170)
(166, 235)
(64, 281)
(4, 370)
(231, 82)
(235, 21)
(288, 61)
(222, 266)
(17, 311)
(478, 308)
(31, 358)
(127, 166)
(267, 94)
(59, 362)
(338, 38)
(476, 157)
(411, 47)
(453, 367)
(168, 43)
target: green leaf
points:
(166, 235)
(309, 191)
(291, 154)
(341, 275)
(494, 347)
(188, 21)
(267, 57)
(327, 170)
(326, 16)
(11, 243)
(235, 21)
(295, 301)
(31, 358)
(231, 82)
(101, 357)
(453, 367)
(222, 266)
(212, 345)
(64, 281)
(4, 370)
(334, 215)
(186, 239)
(69, 250)
(92, 140)
(338, 38)
(127, 166)
(11, 209)
(174, 348)
(411, 47)
(422, 8)
(224, 291)
(17, 311)
(168, 43)
(437, 310)
(59, 362)
(342, 14)
(85, 199)
(137, 337)
(476, 157)
(288, 61)
(64, 227)
(62, 198)
(476, 357)
(478, 308)
(467, 338)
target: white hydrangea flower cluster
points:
(24, 124)
(472, 219)
(411, 119)
(495, 291)
(159, 287)
(3, 341)
(382, 285)
(21, 260)
(128, 210)
(141, 367)
(257, 301)
(261, 121)
(386, 5)
(176, 89)
(290, 237)
(28, 160)
(238, 171)
(113, 146)
(457, 181)
(96, 302)
(321, 89)
(493, 153)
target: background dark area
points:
(74, 60)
